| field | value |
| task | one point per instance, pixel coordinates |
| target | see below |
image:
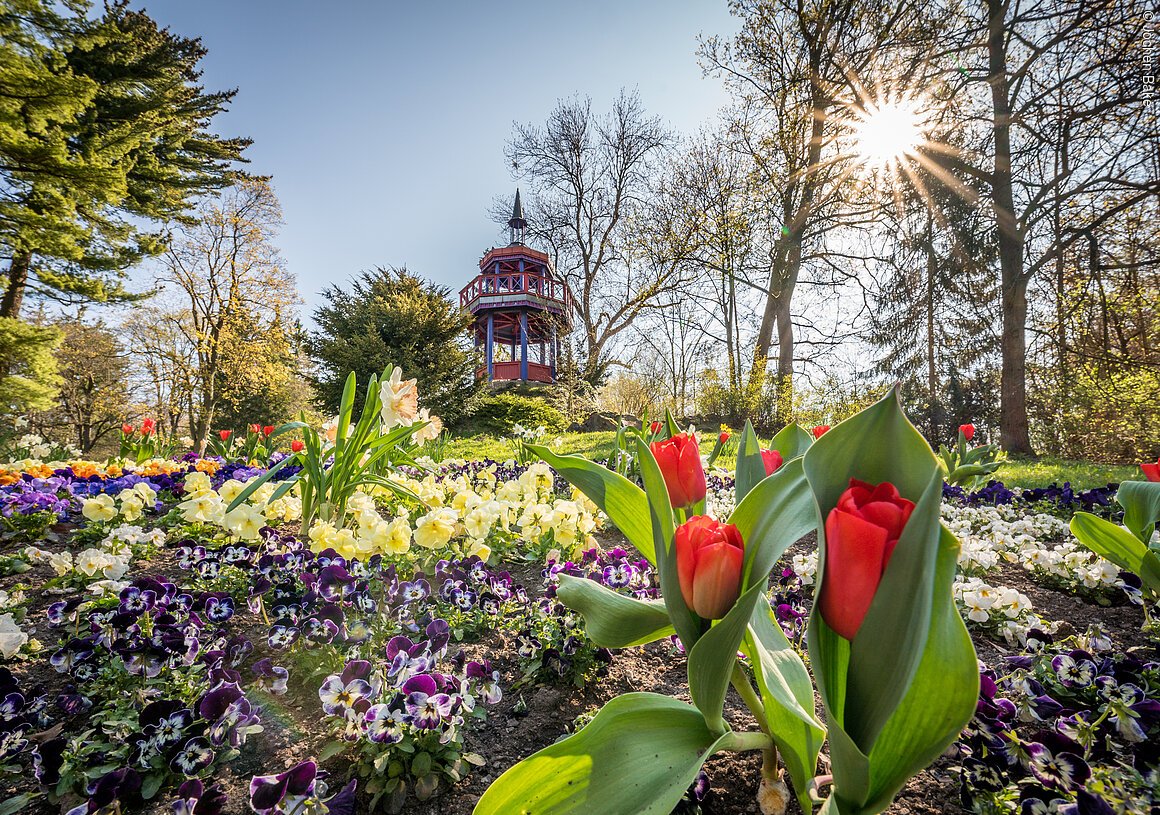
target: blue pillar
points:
(552, 352)
(490, 347)
(524, 346)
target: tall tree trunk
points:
(785, 400)
(784, 276)
(1014, 431)
(932, 386)
(17, 281)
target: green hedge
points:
(501, 411)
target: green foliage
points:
(639, 754)
(261, 379)
(94, 395)
(501, 412)
(393, 315)
(28, 368)
(970, 467)
(333, 468)
(902, 690)
(104, 130)
(1128, 546)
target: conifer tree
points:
(393, 316)
(104, 136)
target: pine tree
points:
(104, 130)
(392, 316)
(929, 317)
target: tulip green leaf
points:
(686, 623)
(879, 444)
(621, 500)
(888, 647)
(1117, 544)
(750, 466)
(939, 701)
(637, 756)
(1141, 503)
(613, 620)
(904, 688)
(787, 695)
(792, 441)
(774, 515)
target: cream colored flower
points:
(91, 561)
(132, 504)
(11, 637)
(479, 549)
(61, 563)
(394, 538)
(400, 400)
(245, 521)
(99, 508)
(197, 482)
(204, 507)
(231, 489)
(430, 431)
(330, 430)
(435, 529)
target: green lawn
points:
(599, 445)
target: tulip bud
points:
(820, 430)
(297, 445)
(255, 428)
(968, 431)
(654, 428)
(679, 459)
(224, 434)
(861, 533)
(772, 460)
(710, 555)
(267, 430)
(1151, 471)
(127, 429)
(724, 437)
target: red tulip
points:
(297, 445)
(654, 428)
(724, 437)
(680, 461)
(255, 428)
(772, 460)
(224, 434)
(861, 533)
(267, 430)
(710, 555)
(1151, 471)
(147, 426)
(819, 430)
(968, 431)
(127, 429)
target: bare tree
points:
(588, 174)
(1066, 130)
(225, 268)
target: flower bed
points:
(162, 648)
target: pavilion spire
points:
(516, 224)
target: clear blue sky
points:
(383, 123)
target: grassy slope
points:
(599, 445)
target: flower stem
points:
(740, 681)
(747, 740)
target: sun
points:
(886, 133)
